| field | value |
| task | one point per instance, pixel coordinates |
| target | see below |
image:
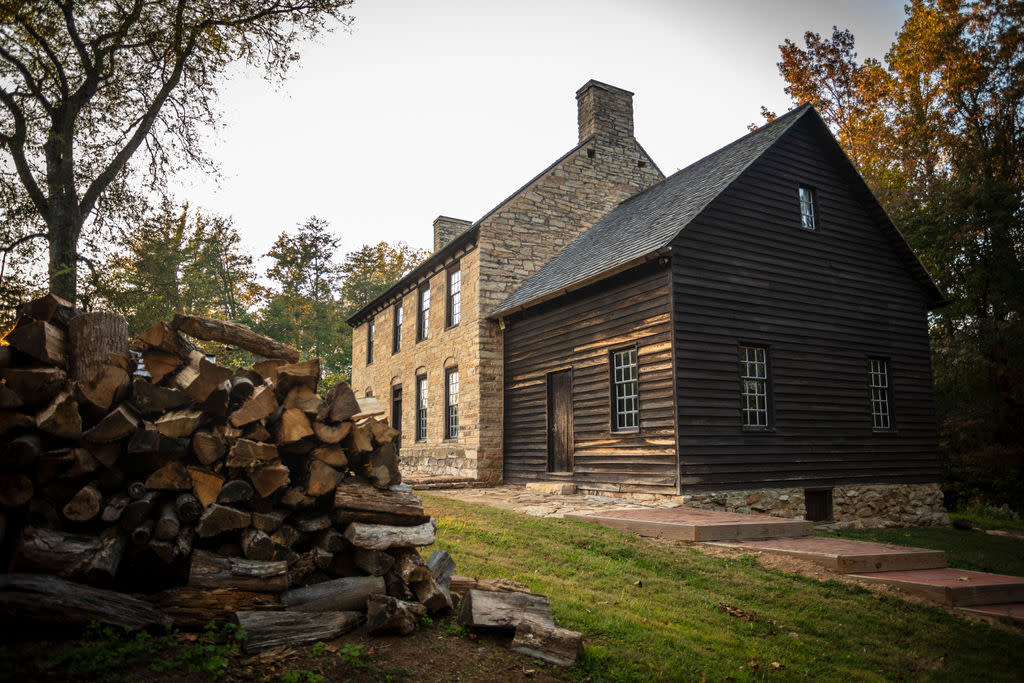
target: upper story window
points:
(754, 379)
(421, 408)
(423, 315)
(808, 208)
(370, 333)
(396, 328)
(878, 381)
(625, 391)
(451, 402)
(454, 308)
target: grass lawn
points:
(964, 549)
(653, 611)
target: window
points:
(754, 376)
(396, 328)
(369, 342)
(625, 391)
(423, 318)
(454, 312)
(396, 412)
(808, 219)
(451, 402)
(878, 380)
(421, 408)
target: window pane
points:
(452, 405)
(369, 342)
(421, 408)
(754, 379)
(423, 323)
(396, 336)
(626, 404)
(454, 297)
(878, 381)
(807, 208)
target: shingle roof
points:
(649, 220)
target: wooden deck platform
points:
(846, 556)
(955, 587)
(693, 524)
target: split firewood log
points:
(208, 447)
(331, 433)
(463, 584)
(85, 505)
(160, 364)
(267, 630)
(10, 420)
(171, 477)
(200, 376)
(22, 452)
(381, 467)
(321, 479)
(495, 609)
(559, 646)
(349, 593)
(369, 406)
(242, 388)
(261, 404)
(209, 570)
(109, 385)
(302, 398)
(358, 501)
(187, 507)
(361, 439)
(306, 373)
(382, 537)
(40, 340)
(168, 524)
(163, 337)
(333, 455)
(387, 615)
(267, 369)
(15, 490)
(442, 566)
(293, 427)
(256, 545)
(116, 425)
(34, 386)
(374, 562)
(150, 399)
(267, 479)
(268, 522)
(235, 491)
(206, 485)
(9, 399)
(249, 455)
(49, 308)
(217, 519)
(179, 423)
(382, 433)
(338, 405)
(434, 597)
(61, 417)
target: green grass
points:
(983, 521)
(671, 626)
(964, 549)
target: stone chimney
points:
(446, 229)
(605, 110)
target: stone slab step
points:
(1012, 611)
(845, 556)
(955, 587)
(693, 524)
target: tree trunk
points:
(64, 229)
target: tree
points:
(174, 262)
(369, 271)
(304, 311)
(938, 134)
(84, 86)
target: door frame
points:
(570, 432)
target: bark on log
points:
(143, 533)
(138, 511)
(55, 552)
(349, 593)
(242, 388)
(357, 501)
(494, 609)
(338, 405)
(188, 508)
(115, 508)
(442, 566)
(374, 562)
(53, 600)
(267, 630)
(40, 340)
(209, 570)
(390, 616)
(91, 338)
(286, 535)
(552, 644)
(463, 584)
(331, 540)
(102, 566)
(194, 608)
(168, 524)
(409, 565)
(256, 545)
(234, 334)
(235, 491)
(382, 537)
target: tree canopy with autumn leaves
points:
(937, 131)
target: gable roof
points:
(641, 226)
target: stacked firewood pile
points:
(241, 494)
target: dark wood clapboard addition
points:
(560, 421)
(580, 331)
(822, 302)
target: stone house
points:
(748, 334)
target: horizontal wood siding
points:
(822, 302)
(578, 332)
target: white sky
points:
(446, 107)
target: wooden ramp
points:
(845, 556)
(954, 587)
(693, 524)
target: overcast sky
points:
(446, 107)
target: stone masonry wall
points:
(446, 347)
(862, 506)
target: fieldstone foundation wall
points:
(861, 506)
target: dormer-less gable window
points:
(808, 208)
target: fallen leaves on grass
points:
(739, 613)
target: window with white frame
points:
(423, 318)
(754, 379)
(396, 328)
(808, 219)
(421, 408)
(625, 391)
(878, 380)
(451, 402)
(454, 314)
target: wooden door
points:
(560, 421)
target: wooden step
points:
(955, 587)
(845, 556)
(693, 524)
(1008, 611)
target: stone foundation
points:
(426, 463)
(861, 506)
